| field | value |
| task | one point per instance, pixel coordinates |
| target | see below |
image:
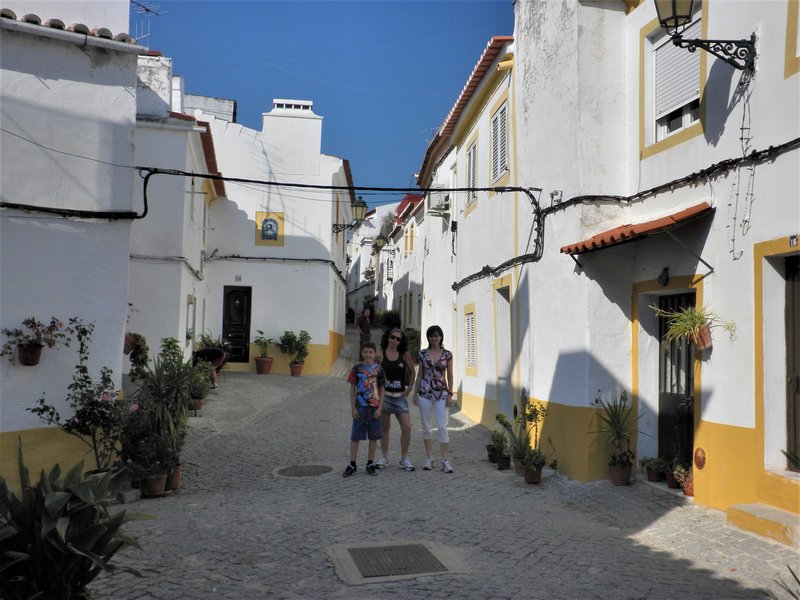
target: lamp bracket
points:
(339, 227)
(740, 54)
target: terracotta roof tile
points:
(77, 28)
(630, 232)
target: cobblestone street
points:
(238, 529)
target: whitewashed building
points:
(169, 292)
(68, 113)
(273, 256)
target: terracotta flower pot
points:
(702, 339)
(653, 475)
(154, 484)
(688, 488)
(533, 475)
(29, 355)
(174, 479)
(129, 344)
(493, 454)
(263, 365)
(296, 369)
(671, 481)
(620, 475)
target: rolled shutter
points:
(677, 74)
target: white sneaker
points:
(428, 464)
(446, 466)
(381, 462)
(406, 464)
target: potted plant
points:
(656, 467)
(693, 323)
(685, 477)
(97, 416)
(497, 445)
(296, 347)
(263, 362)
(616, 424)
(534, 460)
(27, 344)
(58, 534)
(139, 355)
(504, 460)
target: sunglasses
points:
(395, 338)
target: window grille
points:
(472, 354)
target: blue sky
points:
(383, 74)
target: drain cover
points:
(304, 470)
(389, 561)
(378, 562)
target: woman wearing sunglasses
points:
(435, 393)
(399, 371)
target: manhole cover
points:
(304, 470)
(389, 561)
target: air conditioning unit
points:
(439, 204)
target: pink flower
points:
(134, 407)
(106, 397)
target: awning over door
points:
(630, 233)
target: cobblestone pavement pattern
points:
(237, 530)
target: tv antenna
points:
(142, 26)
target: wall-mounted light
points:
(556, 196)
(676, 15)
(663, 277)
(380, 243)
(359, 208)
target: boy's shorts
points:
(394, 405)
(366, 425)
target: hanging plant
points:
(693, 323)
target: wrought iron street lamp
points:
(380, 243)
(359, 208)
(676, 15)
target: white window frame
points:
(499, 165)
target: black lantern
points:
(359, 210)
(675, 15)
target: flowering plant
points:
(97, 414)
(36, 334)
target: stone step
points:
(771, 522)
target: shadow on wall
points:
(719, 101)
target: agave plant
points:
(58, 535)
(616, 425)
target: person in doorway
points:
(364, 324)
(366, 399)
(399, 370)
(434, 393)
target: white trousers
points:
(426, 407)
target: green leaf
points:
(54, 502)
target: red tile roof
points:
(77, 28)
(629, 233)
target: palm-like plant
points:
(616, 425)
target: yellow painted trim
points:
(504, 282)
(772, 488)
(645, 150)
(631, 5)
(210, 192)
(317, 362)
(792, 61)
(477, 105)
(42, 448)
(471, 371)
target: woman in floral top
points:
(434, 392)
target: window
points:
(677, 84)
(472, 167)
(499, 143)
(470, 341)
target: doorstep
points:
(768, 521)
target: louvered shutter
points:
(503, 143)
(495, 145)
(677, 74)
(472, 164)
(470, 338)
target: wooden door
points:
(236, 322)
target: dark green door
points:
(236, 321)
